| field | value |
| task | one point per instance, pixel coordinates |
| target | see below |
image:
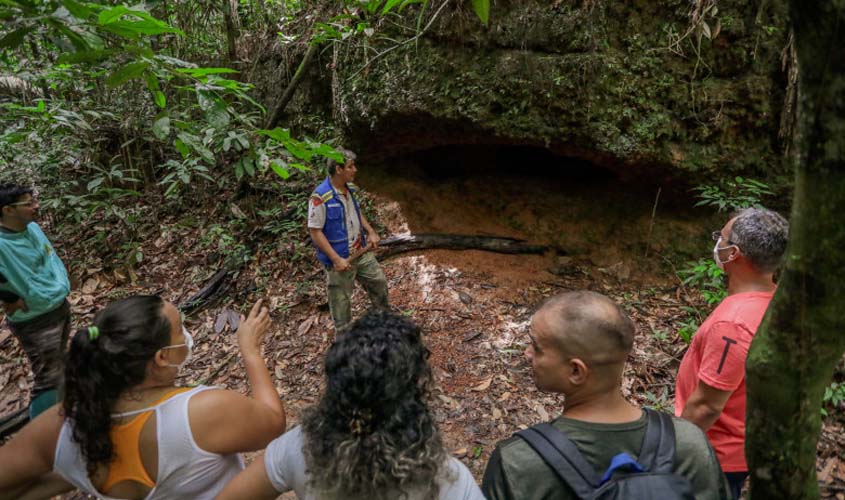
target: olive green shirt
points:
(516, 471)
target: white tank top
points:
(184, 469)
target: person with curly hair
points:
(124, 430)
(372, 435)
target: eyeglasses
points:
(28, 203)
(717, 236)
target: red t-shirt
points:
(717, 358)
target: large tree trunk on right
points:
(792, 357)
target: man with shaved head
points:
(579, 343)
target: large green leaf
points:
(482, 9)
(279, 169)
(278, 134)
(13, 39)
(126, 73)
(77, 9)
(198, 72)
(118, 21)
(160, 99)
(108, 16)
(134, 29)
(391, 4)
(327, 151)
(158, 95)
(79, 43)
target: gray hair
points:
(331, 164)
(761, 236)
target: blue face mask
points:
(189, 343)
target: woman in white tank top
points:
(124, 430)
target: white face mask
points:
(719, 262)
(189, 343)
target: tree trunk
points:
(792, 357)
(231, 31)
(276, 115)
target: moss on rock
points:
(621, 83)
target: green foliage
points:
(115, 108)
(733, 194)
(660, 335)
(92, 59)
(659, 402)
(704, 275)
(687, 329)
(224, 242)
(834, 396)
(482, 10)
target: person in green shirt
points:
(580, 342)
(33, 289)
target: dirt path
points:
(473, 307)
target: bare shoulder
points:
(215, 400)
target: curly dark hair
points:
(372, 435)
(99, 369)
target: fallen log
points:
(213, 289)
(393, 245)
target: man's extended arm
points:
(705, 405)
(372, 235)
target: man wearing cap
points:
(33, 289)
(335, 223)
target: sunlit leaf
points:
(280, 171)
(198, 72)
(482, 9)
(160, 99)
(111, 15)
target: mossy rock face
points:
(602, 80)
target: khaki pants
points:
(367, 271)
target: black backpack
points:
(650, 478)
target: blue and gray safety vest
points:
(335, 226)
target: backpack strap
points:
(561, 454)
(658, 451)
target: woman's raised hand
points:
(252, 329)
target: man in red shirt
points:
(710, 389)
